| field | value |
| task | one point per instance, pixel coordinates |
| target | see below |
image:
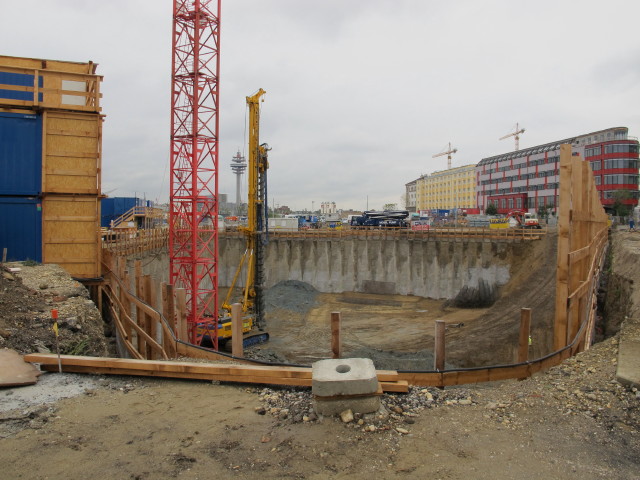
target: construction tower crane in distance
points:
(515, 134)
(448, 154)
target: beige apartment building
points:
(448, 189)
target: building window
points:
(620, 163)
(593, 151)
(510, 203)
(595, 166)
(621, 148)
(620, 179)
(518, 202)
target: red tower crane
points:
(193, 240)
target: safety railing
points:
(35, 88)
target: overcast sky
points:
(360, 93)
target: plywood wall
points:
(71, 153)
(70, 238)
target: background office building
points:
(529, 179)
(447, 190)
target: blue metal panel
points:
(113, 207)
(21, 228)
(18, 80)
(106, 211)
(20, 154)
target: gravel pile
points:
(291, 295)
(291, 405)
(583, 385)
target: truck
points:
(381, 219)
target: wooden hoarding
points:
(71, 148)
(70, 226)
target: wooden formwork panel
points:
(70, 234)
(31, 82)
(41, 64)
(71, 153)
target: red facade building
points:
(529, 179)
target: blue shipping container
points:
(112, 207)
(20, 154)
(21, 228)
(19, 80)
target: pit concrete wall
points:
(430, 268)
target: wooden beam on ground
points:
(261, 374)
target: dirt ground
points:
(574, 421)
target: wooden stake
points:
(439, 351)
(336, 341)
(181, 307)
(139, 314)
(562, 273)
(151, 325)
(236, 330)
(525, 332)
(4, 255)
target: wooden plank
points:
(295, 376)
(236, 330)
(439, 350)
(401, 386)
(576, 256)
(562, 269)
(71, 153)
(576, 241)
(525, 331)
(98, 370)
(137, 304)
(181, 309)
(336, 343)
(70, 234)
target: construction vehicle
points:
(256, 235)
(522, 219)
(381, 219)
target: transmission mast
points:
(238, 167)
(193, 245)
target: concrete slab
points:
(344, 376)
(628, 370)
(335, 406)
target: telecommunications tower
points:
(238, 166)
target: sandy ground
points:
(573, 422)
(395, 331)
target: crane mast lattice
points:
(193, 245)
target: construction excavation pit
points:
(397, 331)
